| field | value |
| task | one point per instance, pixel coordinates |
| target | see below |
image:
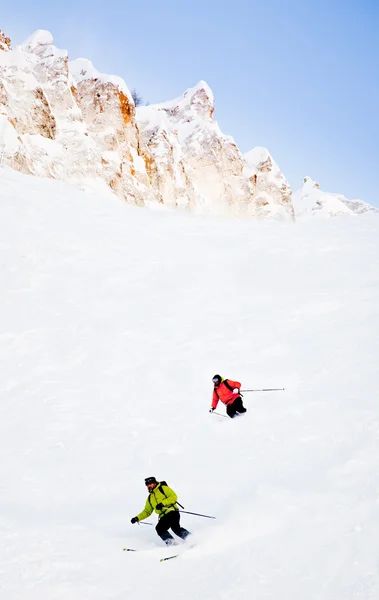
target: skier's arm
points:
(214, 400)
(146, 511)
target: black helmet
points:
(149, 480)
(217, 379)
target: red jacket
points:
(221, 392)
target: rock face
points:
(196, 166)
(271, 189)
(69, 123)
(66, 120)
(108, 112)
(5, 42)
(310, 202)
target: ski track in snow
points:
(113, 322)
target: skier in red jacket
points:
(228, 392)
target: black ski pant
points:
(235, 407)
(171, 520)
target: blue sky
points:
(299, 77)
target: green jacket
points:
(160, 494)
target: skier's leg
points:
(239, 406)
(176, 527)
(231, 410)
(162, 528)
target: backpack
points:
(227, 384)
(161, 483)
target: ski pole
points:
(219, 414)
(142, 523)
(266, 390)
(196, 514)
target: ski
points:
(161, 560)
(166, 557)
(176, 555)
(169, 557)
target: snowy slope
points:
(113, 321)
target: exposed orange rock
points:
(5, 42)
(127, 109)
(115, 181)
(149, 165)
(43, 116)
(74, 92)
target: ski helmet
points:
(149, 480)
(217, 379)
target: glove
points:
(236, 391)
(159, 506)
(134, 520)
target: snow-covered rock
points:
(310, 202)
(108, 111)
(66, 120)
(77, 129)
(5, 42)
(63, 119)
(197, 166)
(272, 190)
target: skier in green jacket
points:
(162, 499)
